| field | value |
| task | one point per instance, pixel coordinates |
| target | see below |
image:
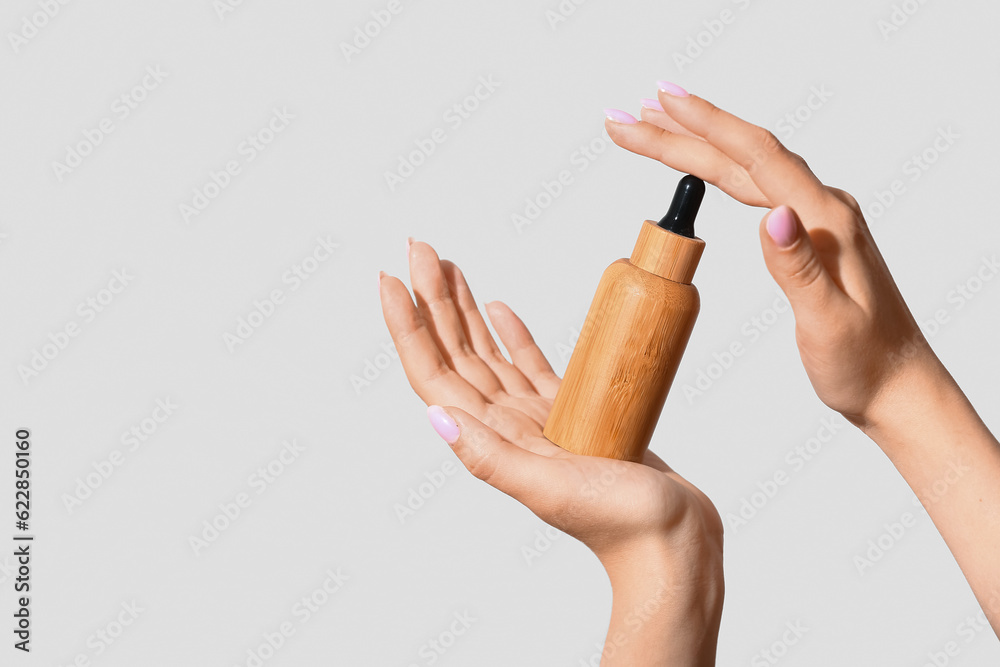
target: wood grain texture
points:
(666, 254)
(628, 351)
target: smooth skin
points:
(658, 537)
(861, 347)
(859, 343)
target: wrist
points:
(667, 604)
(922, 415)
(915, 377)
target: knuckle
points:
(858, 239)
(439, 302)
(730, 176)
(482, 465)
(437, 373)
(714, 113)
(714, 117)
(763, 145)
(767, 141)
(463, 350)
(805, 271)
(847, 199)
(496, 359)
(799, 159)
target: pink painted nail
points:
(620, 116)
(672, 89)
(651, 104)
(781, 226)
(443, 423)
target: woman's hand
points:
(659, 537)
(855, 334)
(863, 351)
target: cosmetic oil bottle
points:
(632, 339)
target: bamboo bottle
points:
(632, 340)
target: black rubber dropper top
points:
(684, 208)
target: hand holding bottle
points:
(658, 537)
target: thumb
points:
(794, 263)
(501, 464)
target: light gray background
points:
(366, 448)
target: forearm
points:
(933, 435)
(665, 610)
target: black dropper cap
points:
(684, 208)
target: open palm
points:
(451, 359)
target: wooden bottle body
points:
(624, 362)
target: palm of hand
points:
(451, 359)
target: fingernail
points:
(651, 104)
(380, 274)
(409, 242)
(781, 226)
(443, 423)
(672, 89)
(620, 116)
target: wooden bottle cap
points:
(667, 254)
